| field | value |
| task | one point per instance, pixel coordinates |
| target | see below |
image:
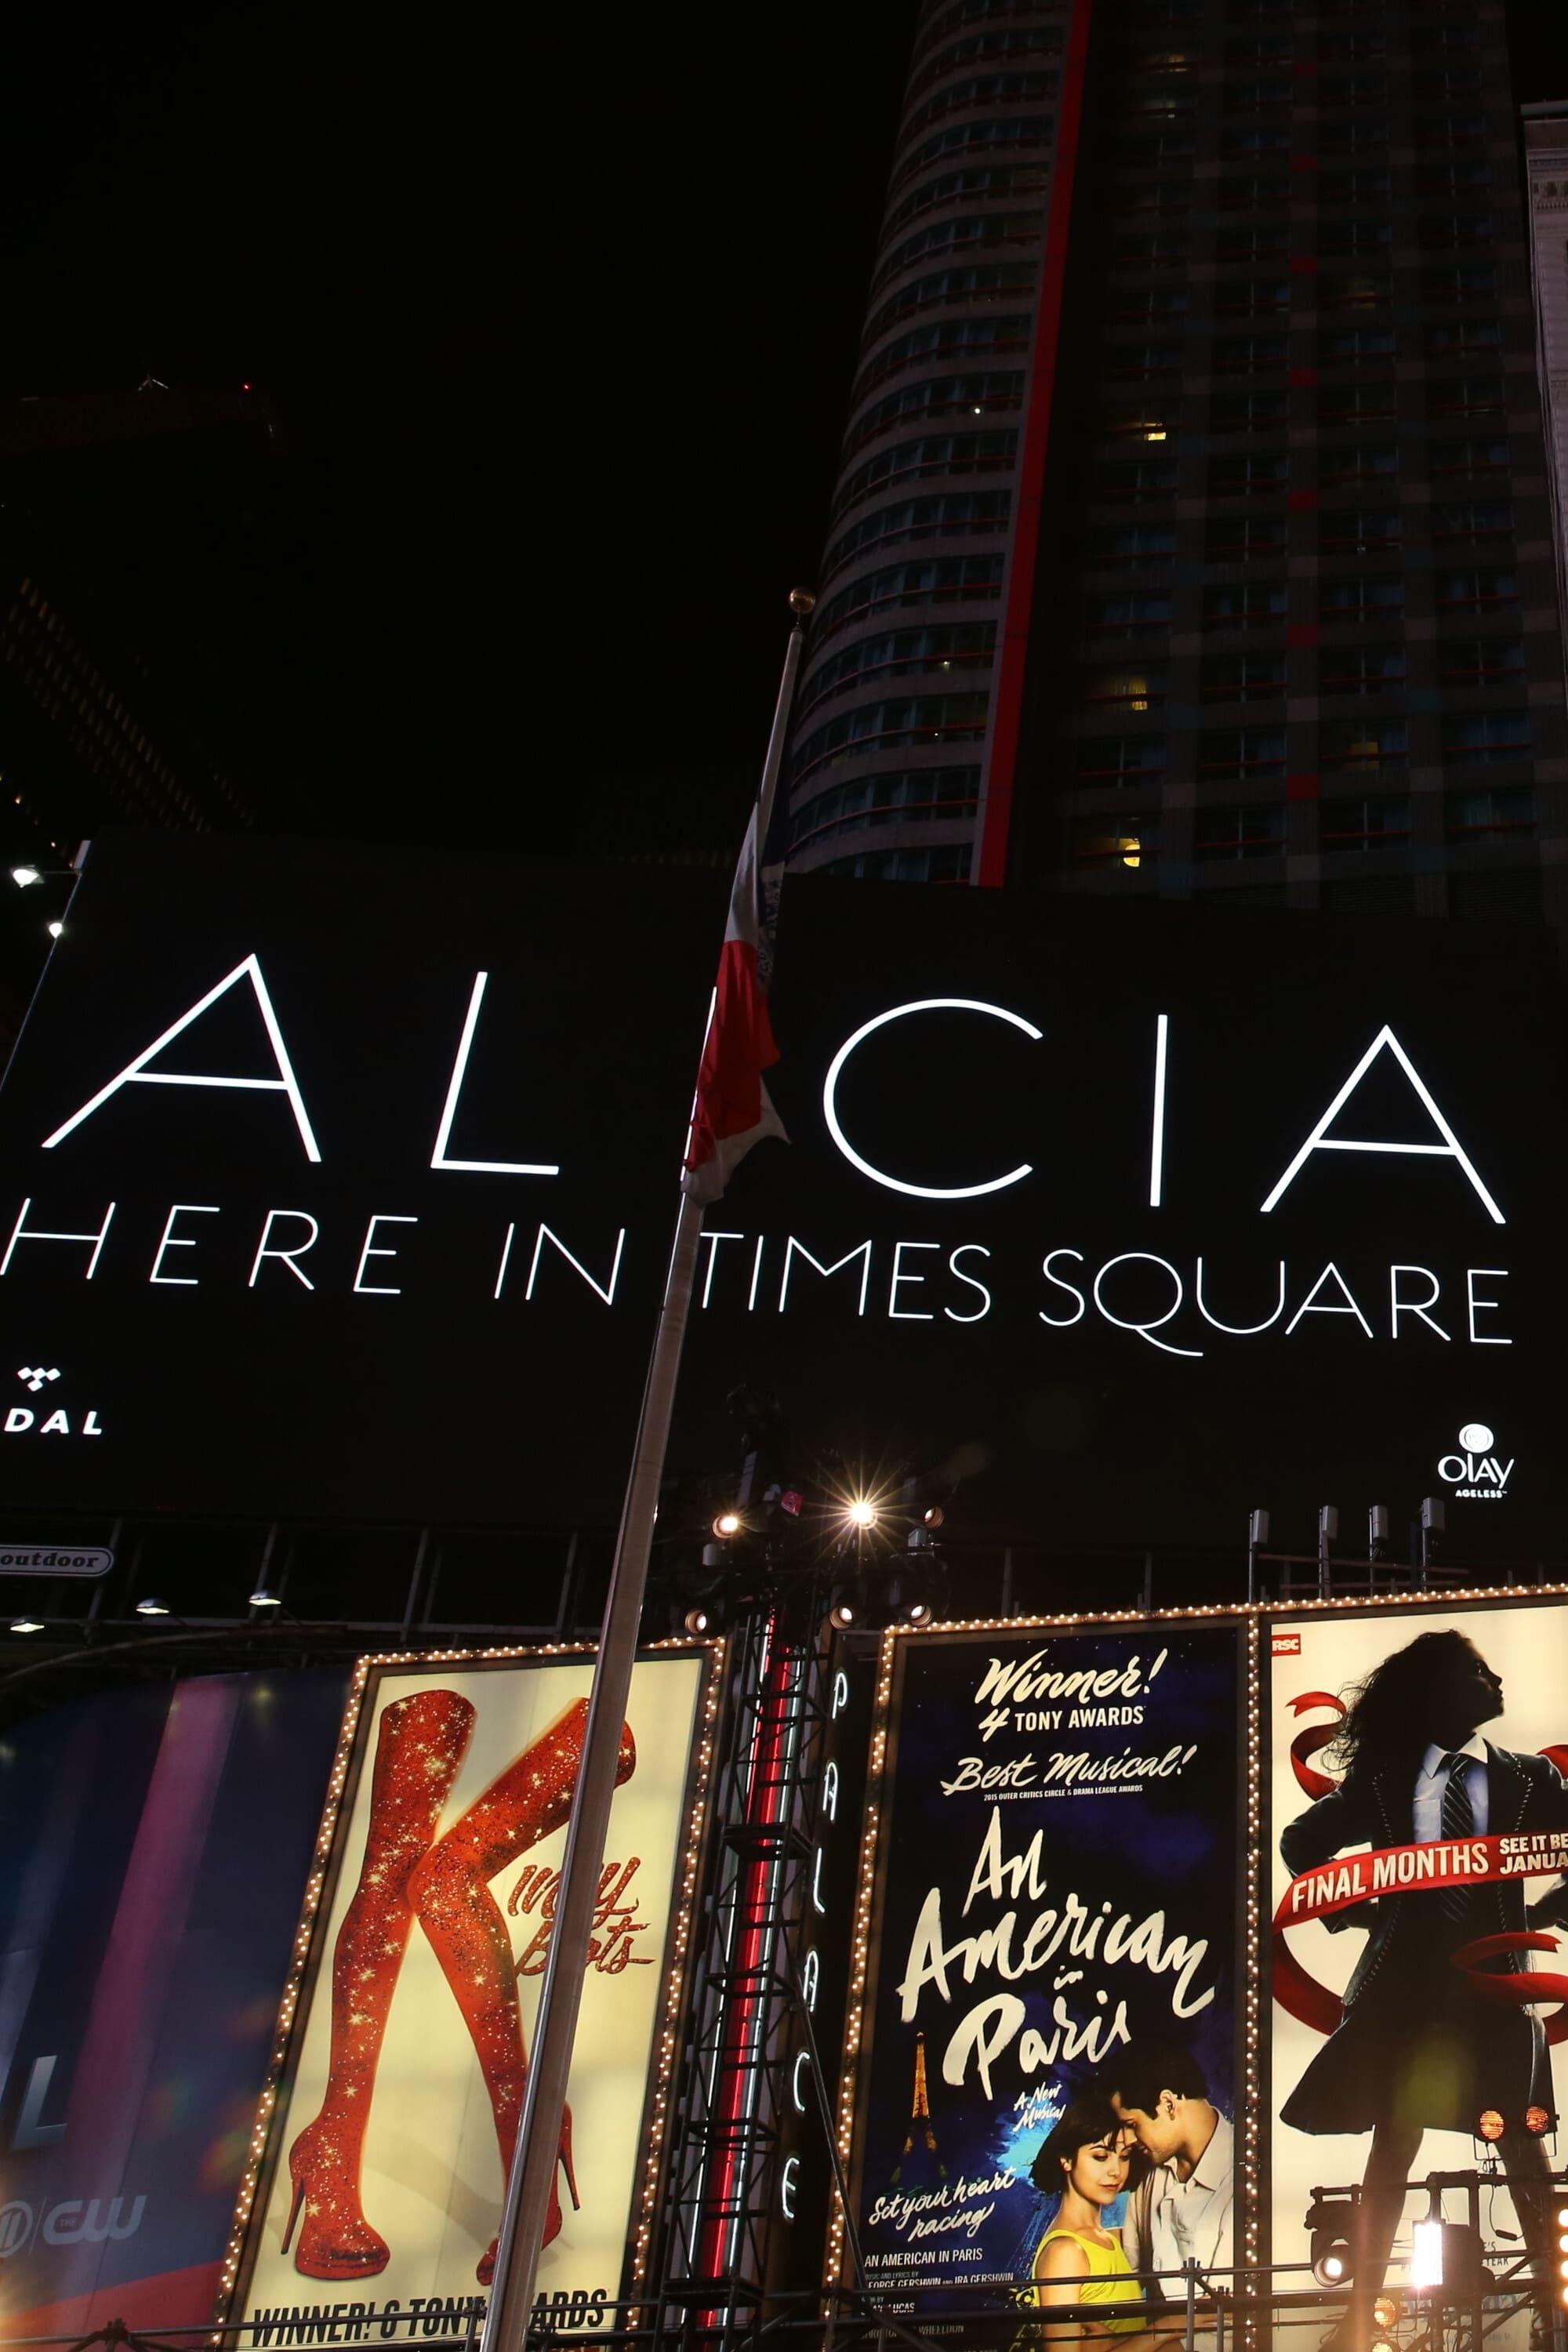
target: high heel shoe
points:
(450, 1893)
(420, 1743)
(486, 2269)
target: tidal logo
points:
(1476, 1475)
(21, 1418)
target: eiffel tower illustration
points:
(921, 2128)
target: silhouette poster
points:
(386, 2154)
(1055, 1891)
(1419, 1818)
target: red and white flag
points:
(732, 1111)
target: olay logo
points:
(1478, 1475)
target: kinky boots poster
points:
(388, 2148)
(1052, 1955)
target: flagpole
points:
(576, 1898)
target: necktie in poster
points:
(388, 2148)
(1050, 1950)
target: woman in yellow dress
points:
(1079, 2260)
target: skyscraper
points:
(1243, 575)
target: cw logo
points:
(75, 2222)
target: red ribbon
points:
(1307, 1743)
(1317, 1893)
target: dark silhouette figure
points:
(1417, 2050)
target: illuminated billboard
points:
(1050, 1944)
(344, 1180)
(403, 2052)
(1417, 1860)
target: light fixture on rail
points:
(861, 1512)
(24, 877)
(262, 1599)
(727, 1525)
(697, 1621)
(1331, 2224)
(842, 1615)
(1539, 2121)
(55, 929)
(26, 1625)
(151, 1607)
(1490, 2126)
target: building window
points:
(1478, 518)
(1485, 735)
(996, 180)
(1493, 457)
(1127, 689)
(972, 282)
(981, 89)
(1243, 677)
(1454, 588)
(1357, 404)
(1148, 477)
(1245, 537)
(1440, 232)
(959, 645)
(1249, 411)
(941, 515)
(882, 726)
(973, 139)
(1245, 603)
(1456, 338)
(1125, 360)
(1492, 813)
(1247, 472)
(1471, 396)
(1227, 834)
(1129, 842)
(1252, 190)
(882, 800)
(1359, 668)
(937, 452)
(1247, 355)
(1363, 742)
(981, 230)
(1480, 661)
(942, 395)
(931, 580)
(1362, 530)
(1121, 760)
(949, 340)
(1257, 241)
(1249, 752)
(1354, 344)
(1366, 821)
(1368, 186)
(1368, 464)
(1340, 240)
(1455, 176)
(1133, 542)
(947, 862)
(1121, 616)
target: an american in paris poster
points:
(388, 2148)
(1055, 1898)
(1419, 1822)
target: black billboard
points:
(341, 1182)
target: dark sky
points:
(561, 322)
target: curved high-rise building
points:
(907, 718)
(1193, 534)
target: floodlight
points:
(919, 1612)
(24, 877)
(262, 1599)
(862, 1512)
(842, 1614)
(696, 1621)
(55, 929)
(1538, 2121)
(1330, 2222)
(26, 1625)
(1426, 2253)
(1489, 2126)
(727, 1524)
(151, 1608)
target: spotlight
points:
(1538, 2121)
(1490, 2127)
(862, 1512)
(1385, 2311)
(727, 1524)
(26, 1625)
(55, 929)
(696, 1621)
(1330, 2222)
(151, 1608)
(919, 1612)
(842, 1614)
(265, 1599)
(24, 877)
(935, 1517)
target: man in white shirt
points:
(1182, 2212)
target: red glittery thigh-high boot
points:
(420, 1744)
(450, 1892)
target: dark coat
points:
(1415, 2045)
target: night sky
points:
(560, 320)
